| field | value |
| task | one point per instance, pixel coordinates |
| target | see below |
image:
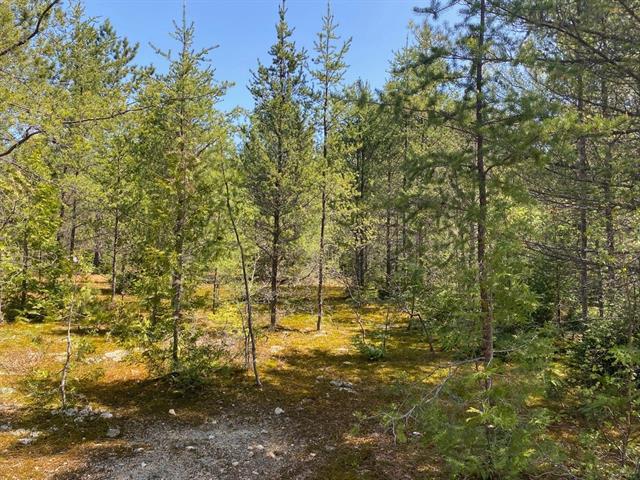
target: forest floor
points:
(317, 416)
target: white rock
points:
(259, 447)
(25, 441)
(190, 447)
(278, 411)
(116, 355)
(235, 464)
(172, 412)
(113, 432)
(339, 383)
(106, 415)
(7, 390)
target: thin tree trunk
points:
(114, 254)
(486, 306)
(67, 361)
(245, 279)
(24, 284)
(387, 236)
(273, 306)
(74, 225)
(323, 215)
(582, 214)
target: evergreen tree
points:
(330, 70)
(278, 151)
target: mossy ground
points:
(342, 430)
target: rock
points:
(259, 447)
(139, 450)
(172, 412)
(329, 448)
(339, 383)
(190, 447)
(7, 390)
(271, 455)
(263, 431)
(5, 427)
(116, 355)
(143, 464)
(25, 441)
(70, 412)
(278, 411)
(416, 434)
(113, 432)
(235, 464)
(86, 411)
(106, 415)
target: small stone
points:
(211, 437)
(271, 455)
(7, 390)
(329, 448)
(106, 415)
(255, 472)
(139, 450)
(339, 383)
(259, 447)
(113, 432)
(143, 464)
(172, 412)
(251, 454)
(190, 447)
(278, 411)
(263, 431)
(235, 464)
(86, 411)
(25, 441)
(416, 434)
(5, 427)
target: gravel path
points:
(219, 449)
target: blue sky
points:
(244, 30)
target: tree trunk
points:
(275, 253)
(321, 259)
(486, 306)
(323, 215)
(114, 254)
(245, 279)
(24, 284)
(582, 214)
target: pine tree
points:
(278, 150)
(330, 70)
(179, 125)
